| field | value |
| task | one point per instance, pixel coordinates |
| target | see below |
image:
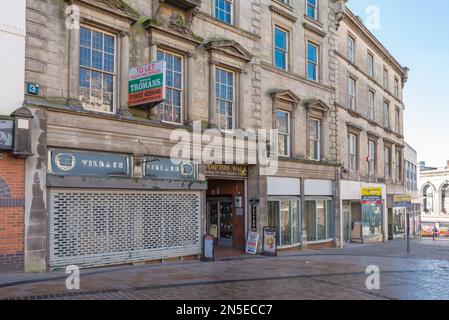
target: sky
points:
(418, 37)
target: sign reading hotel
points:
(147, 84)
(371, 196)
(84, 163)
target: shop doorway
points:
(220, 220)
(225, 200)
(347, 221)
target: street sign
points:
(147, 84)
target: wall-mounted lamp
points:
(22, 133)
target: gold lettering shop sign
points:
(226, 170)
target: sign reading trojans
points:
(147, 84)
(371, 196)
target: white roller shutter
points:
(101, 227)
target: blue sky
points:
(418, 36)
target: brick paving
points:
(327, 274)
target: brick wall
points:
(12, 171)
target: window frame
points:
(315, 7)
(234, 100)
(315, 64)
(182, 99)
(329, 213)
(287, 47)
(372, 157)
(351, 49)
(114, 75)
(386, 80)
(397, 123)
(386, 115)
(371, 104)
(398, 166)
(370, 65)
(353, 152)
(316, 157)
(352, 100)
(396, 87)
(279, 220)
(232, 13)
(387, 162)
(288, 134)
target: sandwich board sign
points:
(147, 84)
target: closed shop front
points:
(100, 227)
(99, 215)
(284, 209)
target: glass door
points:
(347, 222)
(225, 238)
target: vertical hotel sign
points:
(147, 84)
(371, 196)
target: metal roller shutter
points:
(101, 227)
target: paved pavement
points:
(328, 274)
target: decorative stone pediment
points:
(317, 105)
(175, 17)
(285, 96)
(116, 8)
(230, 48)
(183, 4)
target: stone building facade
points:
(370, 111)
(100, 188)
(433, 186)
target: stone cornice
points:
(307, 26)
(208, 18)
(115, 8)
(297, 77)
(358, 27)
(284, 14)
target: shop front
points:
(319, 213)
(284, 210)
(363, 207)
(107, 208)
(226, 208)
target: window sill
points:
(233, 28)
(269, 67)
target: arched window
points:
(445, 198)
(428, 198)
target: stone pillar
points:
(74, 70)
(124, 71)
(240, 123)
(212, 95)
(153, 51)
(36, 196)
(188, 118)
(303, 216)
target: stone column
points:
(124, 71)
(240, 123)
(74, 70)
(153, 51)
(212, 95)
(188, 118)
